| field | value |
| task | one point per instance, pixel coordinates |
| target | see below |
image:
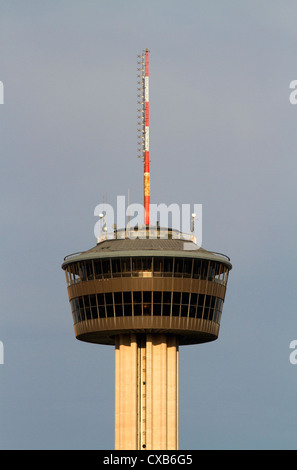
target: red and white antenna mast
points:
(143, 131)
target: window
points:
(168, 266)
(147, 296)
(176, 298)
(218, 310)
(109, 310)
(102, 312)
(184, 304)
(206, 307)
(82, 271)
(201, 298)
(204, 269)
(89, 270)
(187, 270)
(127, 298)
(212, 269)
(166, 310)
(147, 267)
(178, 267)
(118, 308)
(137, 310)
(221, 277)
(184, 310)
(197, 269)
(193, 305)
(157, 309)
(97, 269)
(116, 267)
(118, 301)
(185, 298)
(106, 270)
(147, 303)
(199, 311)
(200, 305)
(157, 296)
(126, 266)
(137, 297)
(192, 311)
(86, 299)
(109, 305)
(147, 264)
(166, 297)
(207, 300)
(108, 298)
(128, 310)
(137, 303)
(158, 266)
(136, 265)
(157, 303)
(225, 275)
(100, 299)
(194, 298)
(74, 304)
(93, 305)
(101, 305)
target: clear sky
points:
(222, 134)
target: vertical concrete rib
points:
(126, 392)
(146, 395)
(117, 394)
(172, 393)
(149, 392)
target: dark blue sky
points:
(222, 134)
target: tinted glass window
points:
(187, 269)
(106, 267)
(168, 266)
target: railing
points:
(72, 254)
(146, 232)
(221, 254)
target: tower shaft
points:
(146, 385)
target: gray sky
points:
(222, 134)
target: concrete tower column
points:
(146, 385)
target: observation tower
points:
(146, 295)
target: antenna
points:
(143, 122)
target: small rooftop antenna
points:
(193, 222)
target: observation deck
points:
(145, 281)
